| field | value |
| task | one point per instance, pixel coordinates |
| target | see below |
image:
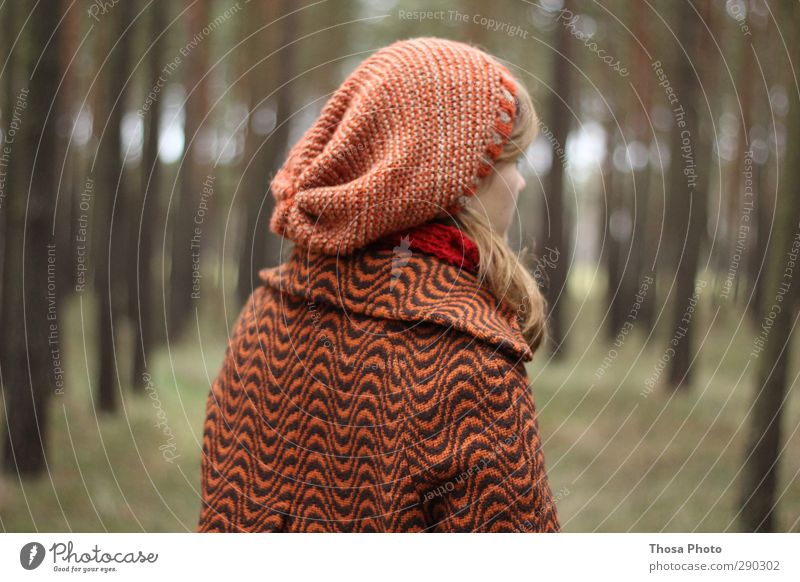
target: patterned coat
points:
(373, 393)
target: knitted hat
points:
(407, 137)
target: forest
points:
(661, 218)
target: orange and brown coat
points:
(358, 394)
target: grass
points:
(621, 460)
(108, 472)
(634, 460)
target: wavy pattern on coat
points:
(347, 403)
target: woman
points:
(375, 381)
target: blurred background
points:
(662, 208)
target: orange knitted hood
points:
(407, 137)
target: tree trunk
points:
(110, 109)
(613, 247)
(740, 203)
(779, 304)
(689, 192)
(646, 223)
(263, 153)
(31, 364)
(192, 176)
(143, 235)
(8, 24)
(67, 155)
(554, 228)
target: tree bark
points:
(108, 163)
(690, 195)
(263, 154)
(143, 235)
(31, 351)
(779, 305)
(554, 228)
(192, 174)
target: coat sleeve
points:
(491, 476)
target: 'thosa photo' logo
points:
(31, 555)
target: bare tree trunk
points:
(66, 158)
(192, 174)
(764, 184)
(7, 23)
(690, 193)
(738, 204)
(263, 153)
(29, 367)
(554, 228)
(111, 105)
(644, 239)
(143, 234)
(613, 249)
(780, 301)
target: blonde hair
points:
(500, 269)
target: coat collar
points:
(411, 286)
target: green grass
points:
(628, 462)
(107, 472)
(663, 461)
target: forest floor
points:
(620, 457)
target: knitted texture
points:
(356, 396)
(407, 137)
(440, 240)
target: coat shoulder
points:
(420, 288)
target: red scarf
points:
(440, 240)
